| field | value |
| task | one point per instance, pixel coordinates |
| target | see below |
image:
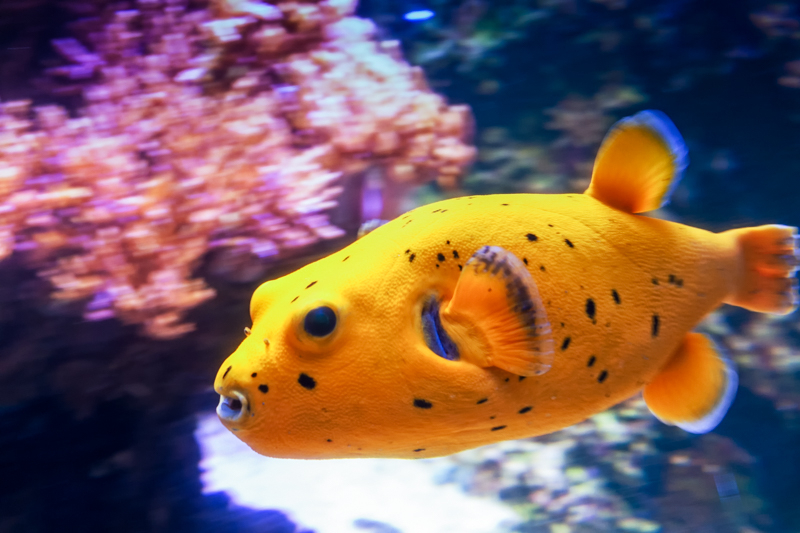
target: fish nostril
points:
(232, 406)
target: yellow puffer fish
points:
(486, 318)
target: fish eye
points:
(320, 321)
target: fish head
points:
(354, 360)
(272, 391)
(334, 365)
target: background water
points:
(160, 158)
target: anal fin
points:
(496, 316)
(695, 388)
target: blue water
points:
(103, 428)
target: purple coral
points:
(227, 127)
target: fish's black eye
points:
(320, 321)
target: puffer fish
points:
(486, 318)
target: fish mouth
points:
(437, 339)
(232, 407)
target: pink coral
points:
(229, 127)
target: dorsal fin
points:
(639, 163)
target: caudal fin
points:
(770, 260)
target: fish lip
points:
(232, 407)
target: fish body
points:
(486, 318)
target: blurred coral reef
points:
(564, 164)
(229, 128)
(767, 351)
(586, 476)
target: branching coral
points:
(227, 127)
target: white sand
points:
(328, 496)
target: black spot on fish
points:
(569, 243)
(503, 204)
(482, 400)
(408, 251)
(263, 388)
(656, 323)
(522, 377)
(254, 374)
(460, 267)
(420, 450)
(525, 260)
(440, 257)
(448, 242)
(525, 410)
(592, 359)
(455, 254)
(590, 309)
(615, 295)
(531, 237)
(422, 404)
(345, 259)
(437, 265)
(295, 299)
(602, 377)
(655, 281)
(329, 440)
(550, 225)
(565, 343)
(675, 280)
(306, 381)
(411, 258)
(498, 428)
(507, 379)
(492, 417)
(444, 210)
(226, 372)
(435, 211)
(311, 284)
(542, 268)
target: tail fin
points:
(770, 259)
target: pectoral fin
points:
(695, 388)
(496, 316)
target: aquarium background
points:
(160, 158)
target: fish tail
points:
(769, 259)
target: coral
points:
(230, 127)
(777, 20)
(580, 477)
(582, 123)
(792, 77)
(585, 121)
